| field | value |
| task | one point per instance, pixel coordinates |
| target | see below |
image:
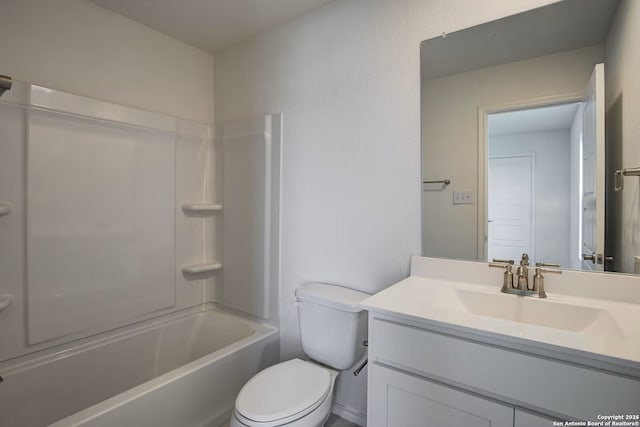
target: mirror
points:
(516, 156)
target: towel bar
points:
(619, 182)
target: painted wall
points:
(346, 78)
(78, 47)
(622, 68)
(450, 135)
(552, 188)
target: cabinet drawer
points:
(399, 399)
(533, 381)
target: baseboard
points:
(349, 414)
(220, 420)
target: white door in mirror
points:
(510, 205)
(593, 166)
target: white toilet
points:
(299, 393)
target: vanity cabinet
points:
(406, 400)
(411, 401)
(426, 375)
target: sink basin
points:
(592, 317)
(540, 312)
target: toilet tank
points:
(332, 326)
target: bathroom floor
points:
(336, 421)
(333, 421)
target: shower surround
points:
(114, 222)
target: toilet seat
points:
(283, 393)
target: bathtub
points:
(179, 370)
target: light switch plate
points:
(464, 197)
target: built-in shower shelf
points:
(201, 209)
(202, 268)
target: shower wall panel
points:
(96, 235)
(12, 133)
(196, 235)
(251, 198)
(100, 215)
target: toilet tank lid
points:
(333, 296)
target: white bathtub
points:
(180, 370)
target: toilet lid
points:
(284, 390)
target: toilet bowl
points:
(299, 393)
(295, 393)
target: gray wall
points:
(347, 79)
(622, 68)
(78, 47)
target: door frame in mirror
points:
(483, 150)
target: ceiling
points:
(554, 117)
(210, 25)
(566, 25)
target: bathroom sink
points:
(540, 312)
(592, 317)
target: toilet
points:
(299, 393)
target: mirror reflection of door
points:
(511, 206)
(560, 193)
(593, 171)
(533, 179)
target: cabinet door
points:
(527, 419)
(400, 399)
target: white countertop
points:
(588, 327)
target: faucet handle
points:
(546, 270)
(538, 278)
(505, 265)
(524, 260)
(504, 261)
(507, 281)
(544, 264)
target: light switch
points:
(464, 197)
